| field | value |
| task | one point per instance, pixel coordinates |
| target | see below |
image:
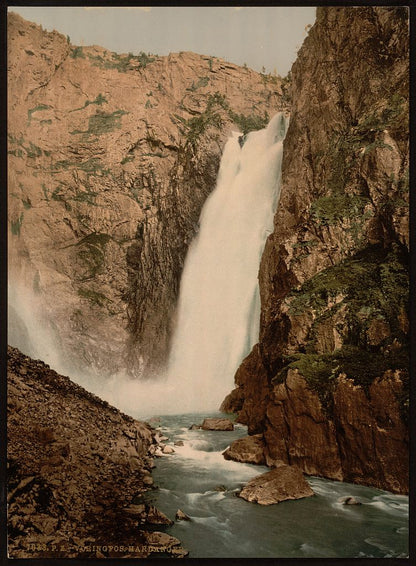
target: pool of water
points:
(200, 482)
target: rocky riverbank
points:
(77, 472)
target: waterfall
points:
(219, 303)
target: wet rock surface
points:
(217, 424)
(280, 484)
(249, 450)
(76, 468)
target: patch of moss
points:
(37, 108)
(33, 151)
(27, 204)
(371, 285)
(361, 366)
(248, 123)
(91, 166)
(45, 191)
(15, 225)
(102, 123)
(94, 297)
(330, 209)
(122, 63)
(92, 252)
(99, 101)
(201, 82)
(77, 52)
(16, 152)
(127, 159)
(375, 144)
(374, 278)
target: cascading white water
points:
(219, 305)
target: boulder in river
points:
(181, 516)
(249, 449)
(217, 424)
(167, 449)
(280, 484)
(349, 500)
(195, 427)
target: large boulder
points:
(282, 483)
(249, 449)
(217, 424)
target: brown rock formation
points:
(249, 449)
(334, 273)
(280, 484)
(217, 424)
(111, 158)
(76, 466)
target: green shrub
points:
(77, 52)
(248, 123)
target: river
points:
(200, 482)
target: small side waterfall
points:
(219, 303)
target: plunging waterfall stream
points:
(219, 304)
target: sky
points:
(263, 38)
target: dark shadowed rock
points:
(349, 500)
(217, 424)
(156, 517)
(280, 484)
(83, 479)
(249, 449)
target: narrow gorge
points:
(190, 239)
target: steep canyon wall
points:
(327, 384)
(111, 158)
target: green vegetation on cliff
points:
(367, 291)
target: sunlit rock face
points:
(111, 158)
(327, 384)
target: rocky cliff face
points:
(327, 385)
(111, 158)
(77, 470)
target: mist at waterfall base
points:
(219, 305)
